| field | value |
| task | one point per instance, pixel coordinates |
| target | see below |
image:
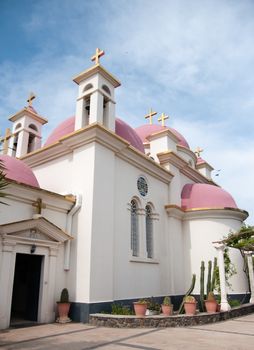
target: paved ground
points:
(234, 334)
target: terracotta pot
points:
(167, 310)
(211, 306)
(190, 308)
(63, 311)
(140, 309)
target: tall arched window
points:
(134, 228)
(149, 232)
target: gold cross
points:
(150, 116)
(198, 151)
(98, 54)
(5, 140)
(39, 205)
(162, 119)
(31, 98)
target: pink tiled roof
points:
(205, 196)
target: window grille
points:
(134, 229)
(149, 232)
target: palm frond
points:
(3, 182)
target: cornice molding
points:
(98, 134)
(26, 194)
(176, 211)
(187, 151)
(159, 134)
(98, 68)
(26, 111)
(53, 232)
(223, 213)
(170, 157)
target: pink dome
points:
(205, 196)
(129, 134)
(144, 131)
(122, 129)
(64, 128)
(18, 171)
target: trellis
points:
(244, 241)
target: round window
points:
(142, 186)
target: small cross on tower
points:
(150, 116)
(39, 206)
(5, 140)
(162, 119)
(98, 54)
(198, 151)
(31, 98)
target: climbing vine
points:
(244, 241)
(230, 270)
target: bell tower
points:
(95, 102)
(26, 130)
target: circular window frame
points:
(142, 186)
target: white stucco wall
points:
(198, 237)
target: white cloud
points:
(190, 59)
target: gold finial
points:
(31, 98)
(5, 140)
(98, 54)
(198, 151)
(150, 116)
(162, 119)
(39, 205)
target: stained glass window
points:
(142, 186)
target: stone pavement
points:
(234, 334)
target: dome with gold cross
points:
(144, 131)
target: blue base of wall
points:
(79, 312)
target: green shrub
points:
(152, 305)
(119, 309)
(234, 302)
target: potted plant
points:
(140, 307)
(153, 308)
(63, 307)
(211, 303)
(190, 305)
(167, 307)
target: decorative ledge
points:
(143, 260)
(122, 321)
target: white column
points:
(22, 145)
(80, 106)
(251, 275)
(7, 268)
(10, 146)
(47, 312)
(224, 301)
(37, 143)
(96, 108)
(109, 116)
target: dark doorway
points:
(26, 288)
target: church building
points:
(109, 212)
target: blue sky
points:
(192, 60)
